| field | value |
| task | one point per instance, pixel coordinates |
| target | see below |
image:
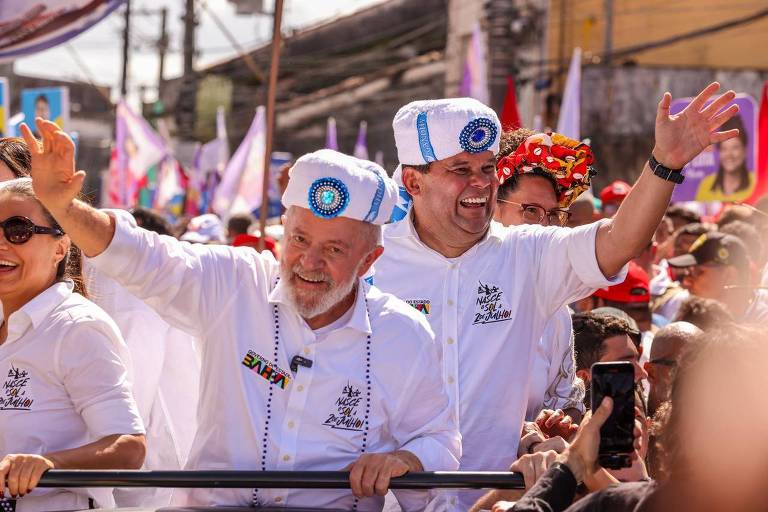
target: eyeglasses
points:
(18, 230)
(535, 214)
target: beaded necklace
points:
(256, 502)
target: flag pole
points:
(271, 93)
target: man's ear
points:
(584, 375)
(412, 180)
(369, 259)
(62, 249)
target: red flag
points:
(510, 117)
(761, 173)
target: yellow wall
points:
(642, 21)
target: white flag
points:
(570, 109)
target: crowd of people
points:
(444, 318)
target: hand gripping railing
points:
(274, 479)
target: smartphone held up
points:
(616, 380)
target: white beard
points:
(310, 305)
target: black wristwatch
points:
(665, 173)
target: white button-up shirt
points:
(316, 417)
(64, 386)
(553, 381)
(488, 308)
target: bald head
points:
(670, 339)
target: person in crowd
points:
(733, 181)
(612, 196)
(705, 314)
(66, 400)
(668, 344)
(302, 360)
(582, 210)
(663, 240)
(238, 224)
(535, 196)
(751, 238)
(686, 235)
(204, 229)
(734, 212)
(717, 267)
(152, 220)
(14, 158)
(681, 215)
(490, 284)
(238, 234)
(632, 296)
(698, 472)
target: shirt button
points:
(307, 351)
(291, 424)
(278, 499)
(451, 341)
(286, 458)
(450, 380)
(450, 302)
(300, 388)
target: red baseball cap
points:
(614, 192)
(635, 288)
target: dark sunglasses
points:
(18, 230)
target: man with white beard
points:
(303, 362)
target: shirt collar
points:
(359, 321)
(39, 308)
(406, 229)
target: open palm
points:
(54, 178)
(680, 137)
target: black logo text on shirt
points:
(346, 416)
(14, 393)
(489, 306)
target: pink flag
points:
(137, 148)
(474, 83)
(242, 180)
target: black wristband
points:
(665, 173)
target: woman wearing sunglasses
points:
(65, 401)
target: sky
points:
(100, 48)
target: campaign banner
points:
(5, 107)
(724, 171)
(27, 27)
(50, 103)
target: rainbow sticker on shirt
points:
(421, 305)
(259, 365)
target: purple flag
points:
(361, 147)
(474, 83)
(330, 136)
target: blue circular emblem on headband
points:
(328, 197)
(478, 135)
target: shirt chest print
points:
(490, 307)
(16, 394)
(346, 415)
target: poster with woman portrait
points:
(50, 103)
(724, 171)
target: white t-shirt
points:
(166, 392)
(314, 418)
(553, 382)
(489, 308)
(65, 385)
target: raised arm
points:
(679, 138)
(57, 185)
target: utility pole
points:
(126, 49)
(185, 111)
(608, 43)
(162, 48)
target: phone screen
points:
(616, 380)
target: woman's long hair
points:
(71, 266)
(717, 186)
